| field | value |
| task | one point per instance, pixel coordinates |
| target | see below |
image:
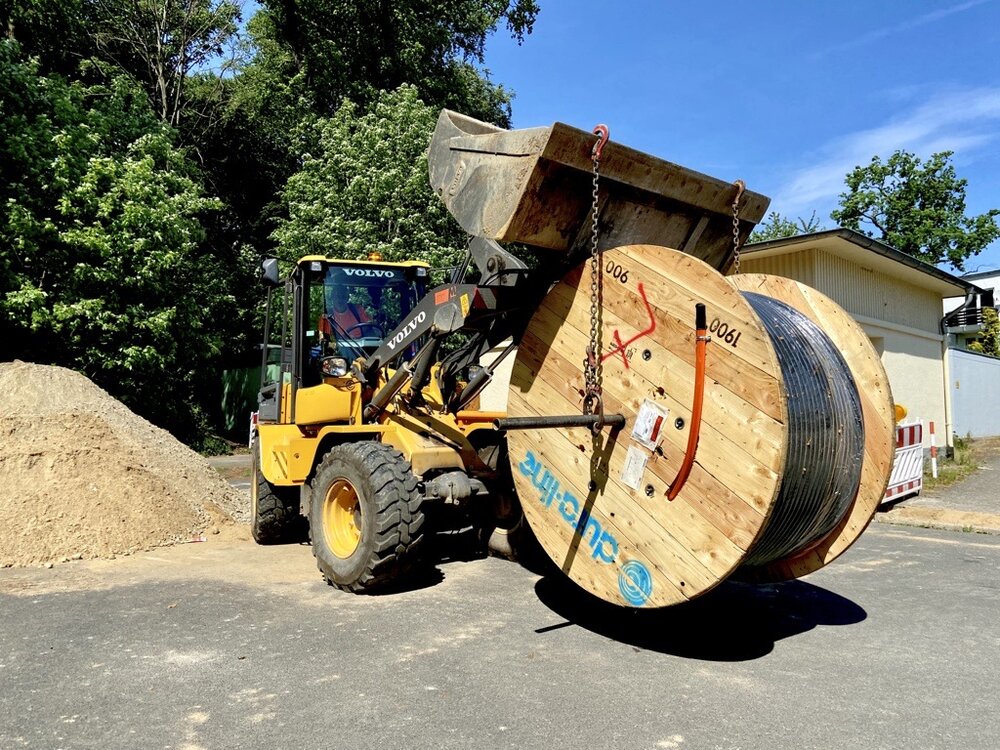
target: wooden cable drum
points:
(877, 411)
(598, 503)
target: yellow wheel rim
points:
(342, 518)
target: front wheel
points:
(365, 518)
(274, 510)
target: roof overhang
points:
(868, 253)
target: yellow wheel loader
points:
(368, 428)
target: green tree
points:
(332, 50)
(366, 188)
(989, 339)
(168, 45)
(916, 207)
(108, 272)
(54, 31)
(776, 227)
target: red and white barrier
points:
(933, 452)
(908, 465)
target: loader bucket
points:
(534, 185)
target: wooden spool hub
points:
(623, 540)
(878, 414)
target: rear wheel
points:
(274, 510)
(365, 518)
(504, 530)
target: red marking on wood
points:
(620, 349)
(620, 346)
(656, 429)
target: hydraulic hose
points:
(701, 340)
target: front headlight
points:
(335, 367)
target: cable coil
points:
(826, 439)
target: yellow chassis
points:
(330, 413)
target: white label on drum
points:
(649, 423)
(634, 468)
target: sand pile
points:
(81, 476)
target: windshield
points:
(353, 308)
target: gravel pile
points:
(81, 476)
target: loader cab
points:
(326, 315)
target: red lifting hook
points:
(602, 133)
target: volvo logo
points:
(406, 330)
(371, 273)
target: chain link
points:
(740, 187)
(592, 370)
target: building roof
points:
(869, 253)
(981, 275)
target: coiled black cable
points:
(826, 438)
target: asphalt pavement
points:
(971, 505)
(230, 645)
(227, 644)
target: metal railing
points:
(964, 317)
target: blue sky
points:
(787, 95)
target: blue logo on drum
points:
(635, 583)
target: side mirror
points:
(269, 272)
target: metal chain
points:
(592, 370)
(740, 188)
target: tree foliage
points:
(53, 31)
(776, 227)
(108, 272)
(333, 50)
(916, 207)
(152, 150)
(989, 338)
(164, 44)
(366, 188)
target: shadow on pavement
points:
(734, 622)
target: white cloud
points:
(960, 121)
(912, 23)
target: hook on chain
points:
(741, 188)
(603, 134)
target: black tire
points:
(509, 535)
(372, 484)
(504, 530)
(274, 511)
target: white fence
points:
(975, 393)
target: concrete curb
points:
(941, 518)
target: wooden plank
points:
(752, 475)
(620, 538)
(669, 365)
(732, 514)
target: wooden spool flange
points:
(877, 410)
(620, 537)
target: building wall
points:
(901, 320)
(800, 265)
(974, 380)
(877, 295)
(916, 371)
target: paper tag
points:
(649, 423)
(634, 468)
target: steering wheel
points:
(366, 324)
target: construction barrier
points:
(908, 465)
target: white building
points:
(896, 298)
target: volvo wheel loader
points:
(369, 426)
